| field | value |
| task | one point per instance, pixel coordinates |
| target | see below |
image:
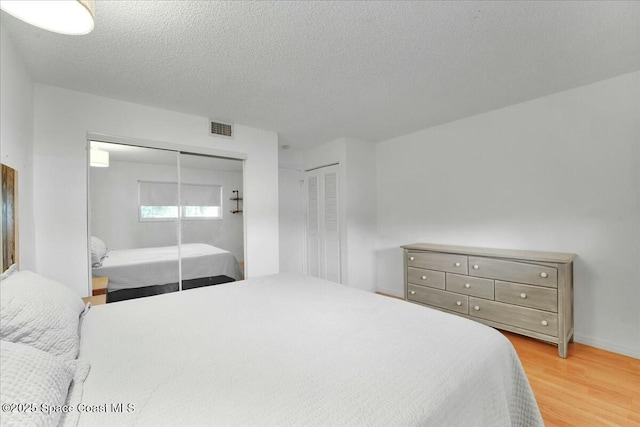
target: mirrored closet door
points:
(211, 226)
(161, 221)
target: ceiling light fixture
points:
(98, 158)
(73, 17)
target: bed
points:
(292, 350)
(144, 267)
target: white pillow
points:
(41, 313)
(98, 251)
(32, 377)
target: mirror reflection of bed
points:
(161, 221)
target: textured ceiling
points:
(315, 71)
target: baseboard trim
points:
(392, 292)
(604, 345)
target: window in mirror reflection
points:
(202, 201)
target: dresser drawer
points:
(447, 300)
(527, 296)
(436, 261)
(419, 276)
(522, 317)
(474, 286)
(513, 271)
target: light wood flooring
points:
(592, 387)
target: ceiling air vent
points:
(221, 129)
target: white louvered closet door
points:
(323, 228)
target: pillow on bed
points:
(41, 313)
(32, 377)
(98, 251)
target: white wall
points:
(62, 120)
(559, 173)
(361, 213)
(292, 221)
(16, 141)
(114, 208)
(356, 205)
(292, 214)
(290, 158)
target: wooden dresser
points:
(526, 292)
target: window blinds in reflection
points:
(166, 194)
(200, 195)
(158, 193)
(158, 200)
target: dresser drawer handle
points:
(458, 303)
(523, 295)
(544, 323)
(476, 266)
(476, 308)
(412, 292)
(467, 285)
(424, 277)
(457, 264)
(412, 258)
(544, 275)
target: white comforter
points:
(294, 350)
(134, 268)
